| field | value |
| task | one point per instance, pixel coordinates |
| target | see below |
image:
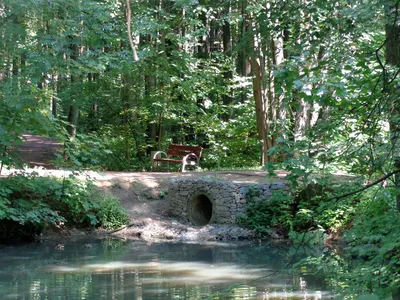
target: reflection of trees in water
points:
(259, 252)
(26, 269)
(113, 268)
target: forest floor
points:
(142, 194)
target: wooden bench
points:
(187, 156)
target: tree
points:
(390, 72)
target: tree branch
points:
(367, 186)
(128, 23)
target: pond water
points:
(117, 269)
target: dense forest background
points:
(252, 82)
(310, 86)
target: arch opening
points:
(200, 209)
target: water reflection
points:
(115, 269)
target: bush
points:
(374, 240)
(111, 214)
(311, 208)
(265, 213)
(30, 202)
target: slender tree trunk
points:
(15, 66)
(258, 70)
(73, 116)
(150, 85)
(128, 24)
(53, 100)
(276, 113)
(126, 115)
(73, 113)
(301, 119)
(93, 114)
(393, 58)
(281, 110)
(203, 49)
(244, 64)
(227, 43)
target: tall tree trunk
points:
(281, 111)
(243, 61)
(258, 71)
(73, 116)
(73, 113)
(53, 100)
(93, 114)
(150, 85)
(132, 43)
(227, 43)
(393, 58)
(277, 113)
(301, 119)
(203, 49)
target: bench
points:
(187, 156)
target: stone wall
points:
(206, 200)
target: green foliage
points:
(331, 105)
(264, 213)
(23, 203)
(87, 151)
(112, 215)
(104, 151)
(369, 220)
(310, 208)
(78, 197)
(21, 111)
(374, 239)
(370, 263)
(314, 238)
(229, 142)
(175, 93)
(41, 201)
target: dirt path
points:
(143, 195)
(38, 151)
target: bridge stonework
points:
(206, 200)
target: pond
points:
(118, 269)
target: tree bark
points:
(203, 49)
(93, 113)
(53, 100)
(128, 24)
(301, 119)
(73, 113)
(393, 58)
(228, 99)
(277, 112)
(243, 62)
(73, 116)
(258, 71)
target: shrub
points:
(264, 213)
(311, 208)
(111, 214)
(29, 203)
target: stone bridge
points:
(207, 200)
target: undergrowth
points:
(309, 209)
(368, 223)
(28, 204)
(369, 266)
